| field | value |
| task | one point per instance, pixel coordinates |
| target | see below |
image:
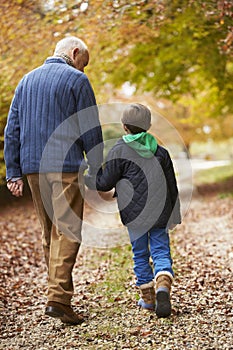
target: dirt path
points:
(202, 293)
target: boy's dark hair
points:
(134, 129)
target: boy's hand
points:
(16, 187)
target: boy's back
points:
(145, 187)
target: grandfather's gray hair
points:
(69, 43)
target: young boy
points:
(142, 173)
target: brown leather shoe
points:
(64, 312)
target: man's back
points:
(44, 99)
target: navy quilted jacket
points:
(146, 189)
(53, 120)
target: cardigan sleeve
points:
(12, 141)
(89, 125)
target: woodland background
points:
(175, 54)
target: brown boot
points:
(64, 312)
(163, 281)
(147, 292)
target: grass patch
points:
(119, 273)
(214, 175)
(224, 195)
(215, 180)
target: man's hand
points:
(16, 187)
(107, 196)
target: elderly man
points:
(52, 123)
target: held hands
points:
(15, 187)
(90, 181)
(91, 177)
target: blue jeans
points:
(154, 244)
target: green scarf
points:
(143, 143)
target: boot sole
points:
(68, 321)
(163, 304)
(145, 306)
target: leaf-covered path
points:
(202, 315)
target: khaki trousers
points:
(58, 200)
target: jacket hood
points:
(143, 143)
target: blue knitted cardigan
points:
(53, 122)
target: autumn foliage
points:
(178, 50)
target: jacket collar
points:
(55, 59)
